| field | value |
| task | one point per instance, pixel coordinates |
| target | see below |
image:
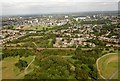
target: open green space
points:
(33, 41)
(10, 71)
(51, 63)
(7, 67)
(65, 64)
(117, 75)
(108, 64)
(38, 28)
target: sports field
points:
(107, 66)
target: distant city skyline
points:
(18, 7)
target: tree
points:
(21, 64)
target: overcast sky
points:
(15, 7)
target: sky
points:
(21, 7)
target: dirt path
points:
(114, 73)
(25, 71)
(35, 44)
(41, 48)
(58, 48)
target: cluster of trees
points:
(93, 22)
(106, 28)
(82, 65)
(9, 27)
(54, 64)
(57, 52)
(85, 64)
(43, 41)
(21, 64)
(21, 39)
(51, 68)
(16, 52)
(97, 42)
(46, 53)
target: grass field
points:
(40, 41)
(108, 64)
(10, 71)
(38, 28)
(7, 67)
(117, 76)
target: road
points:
(41, 48)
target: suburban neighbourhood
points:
(59, 40)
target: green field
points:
(108, 64)
(50, 63)
(10, 71)
(117, 76)
(38, 28)
(32, 41)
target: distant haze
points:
(18, 7)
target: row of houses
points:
(108, 39)
(65, 42)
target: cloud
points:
(54, 6)
(59, 1)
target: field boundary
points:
(98, 63)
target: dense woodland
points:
(59, 64)
(80, 66)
